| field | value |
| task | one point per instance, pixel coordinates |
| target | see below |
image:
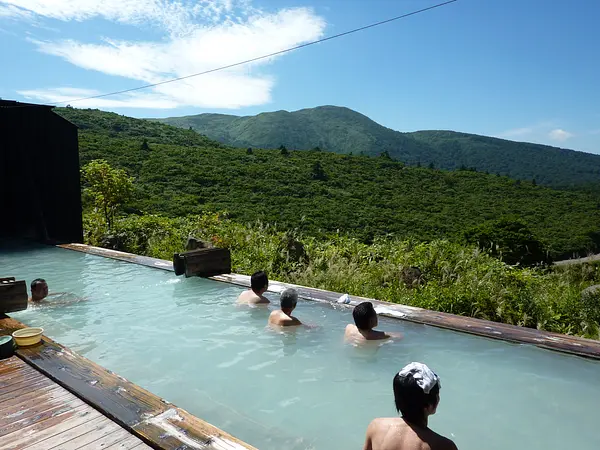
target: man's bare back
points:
(396, 434)
(281, 319)
(250, 297)
(353, 334)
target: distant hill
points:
(179, 172)
(342, 130)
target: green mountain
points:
(342, 130)
(178, 172)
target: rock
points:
(592, 291)
(412, 277)
(194, 244)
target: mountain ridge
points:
(343, 130)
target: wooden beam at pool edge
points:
(158, 423)
(587, 348)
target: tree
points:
(145, 147)
(316, 149)
(317, 172)
(249, 151)
(510, 239)
(107, 187)
(432, 165)
(385, 155)
(284, 150)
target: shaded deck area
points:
(37, 413)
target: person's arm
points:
(368, 444)
(394, 335)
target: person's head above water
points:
(365, 317)
(39, 289)
(259, 282)
(288, 300)
(416, 393)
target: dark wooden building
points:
(40, 193)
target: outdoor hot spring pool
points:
(186, 341)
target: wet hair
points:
(363, 315)
(410, 398)
(259, 281)
(288, 298)
(34, 283)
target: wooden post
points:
(204, 262)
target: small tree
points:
(284, 150)
(145, 147)
(317, 172)
(249, 151)
(107, 187)
(385, 155)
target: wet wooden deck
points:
(38, 414)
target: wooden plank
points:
(32, 384)
(45, 429)
(16, 382)
(52, 390)
(17, 421)
(108, 440)
(99, 431)
(62, 440)
(129, 443)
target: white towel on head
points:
(426, 378)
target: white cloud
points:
(173, 15)
(131, 100)
(13, 12)
(201, 36)
(559, 135)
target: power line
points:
(270, 55)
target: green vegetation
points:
(106, 187)
(321, 193)
(347, 223)
(342, 130)
(457, 279)
(511, 240)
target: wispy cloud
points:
(200, 35)
(559, 135)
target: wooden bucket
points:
(13, 295)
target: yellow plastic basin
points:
(28, 336)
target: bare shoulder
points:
(440, 442)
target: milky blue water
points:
(187, 341)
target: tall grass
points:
(456, 279)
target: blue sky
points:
(520, 69)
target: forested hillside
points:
(179, 172)
(342, 130)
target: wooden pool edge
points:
(573, 345)
(158, 423)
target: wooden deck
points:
(38, 414)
